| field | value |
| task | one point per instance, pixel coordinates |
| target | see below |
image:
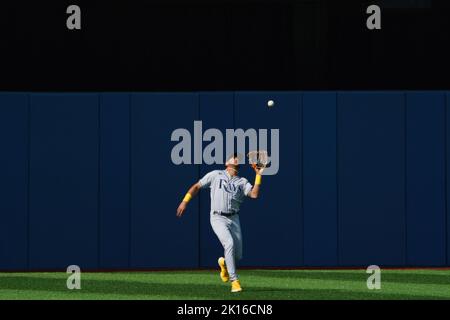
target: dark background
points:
(224, 45)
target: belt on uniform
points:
(225, 214)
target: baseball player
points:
(228, 191)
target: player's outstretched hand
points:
(258, 170)
(181, 209)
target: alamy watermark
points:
(374, 280)
(189, 150)
(74, 280)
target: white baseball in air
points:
(270, 103)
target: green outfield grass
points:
(257, 284)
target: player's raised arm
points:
(254, 193)
(189, 195)
(258, 160)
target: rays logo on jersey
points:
(228, 186)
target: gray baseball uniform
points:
(227, 194)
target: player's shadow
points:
(114, 289)
(404, 276)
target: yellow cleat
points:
(223, 270)
(236, 286)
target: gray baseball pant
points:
(228, 230)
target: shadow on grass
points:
(129, 289)
(397, 277)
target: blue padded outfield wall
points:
(87, 179)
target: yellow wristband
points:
(187, 197)
(258, 179)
